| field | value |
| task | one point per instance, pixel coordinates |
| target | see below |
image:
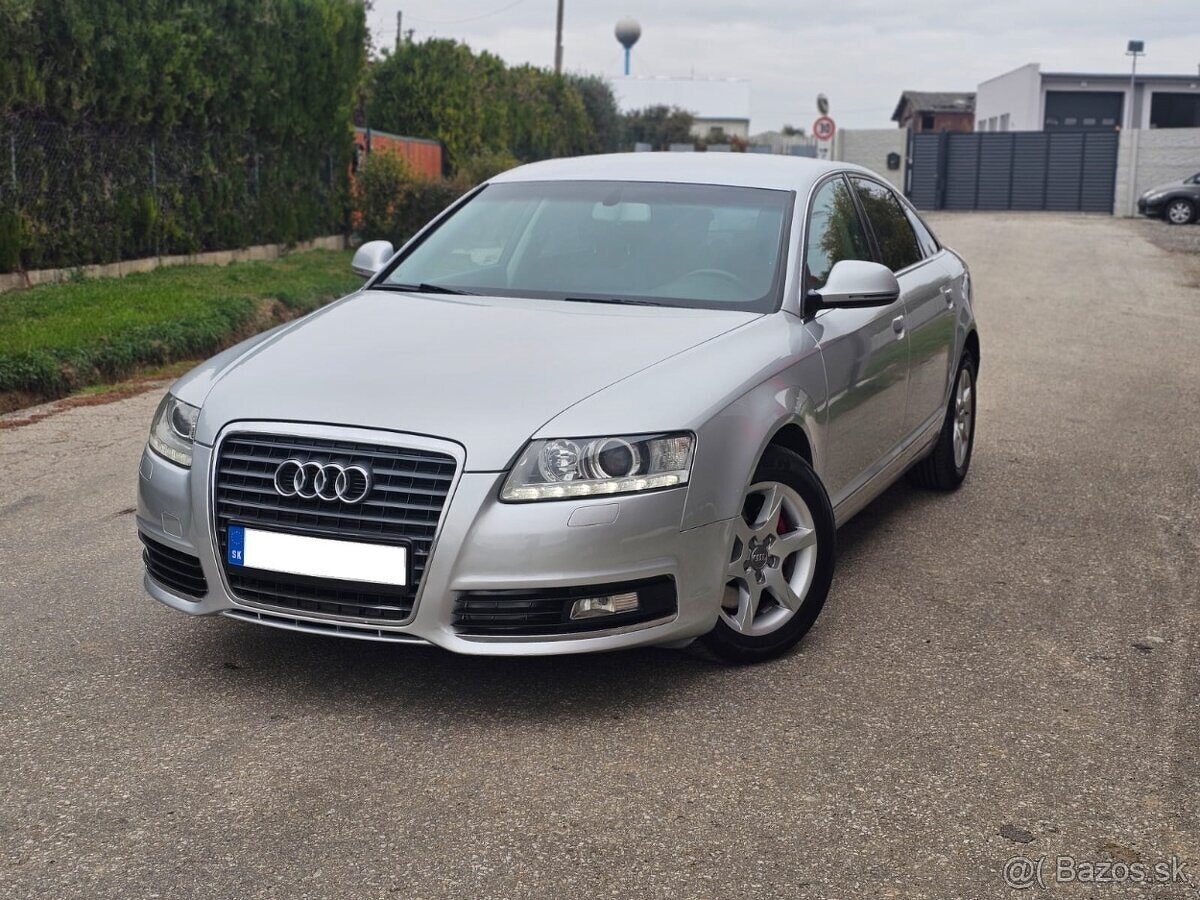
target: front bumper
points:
(1151, 207)
(482, 545)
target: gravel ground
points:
(1013, 669)
(1183, 239)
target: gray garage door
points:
(1013, 170)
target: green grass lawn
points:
(59, 337)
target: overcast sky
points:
(861, 53)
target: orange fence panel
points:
(423, 156)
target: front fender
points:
(730, 444)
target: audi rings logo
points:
(329, 481)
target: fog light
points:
(589, 607)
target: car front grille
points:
(174, 569)
(514, 613)
(404, 505)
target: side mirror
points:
(371, 257)
(854, 284)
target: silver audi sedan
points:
(597, 403)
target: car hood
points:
(485, 372)
(1164, 188)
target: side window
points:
(925, 238)
(897, 242)
(835, 232)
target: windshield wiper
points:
(622, 301)
(425, 288)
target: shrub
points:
(379, 186)
(391, 204)
(421, 201)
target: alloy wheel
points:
(964, 412)
(772, 560)
(1179, 212)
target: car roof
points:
(759, 170)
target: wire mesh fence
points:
(82, 193)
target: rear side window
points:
(925, 238)
(835, 232)
(897, 240)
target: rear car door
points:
(865, 350)
(913, 255)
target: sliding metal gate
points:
(1013, 170)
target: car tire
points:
(1180, 212)
(802, 532)
(946, 465)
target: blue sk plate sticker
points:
(235, 551)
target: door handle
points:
(948, 296)
(898, 326)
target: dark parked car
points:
(1176, 202)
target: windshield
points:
(633, 242)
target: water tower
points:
(628, 31)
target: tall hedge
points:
(168, 126)
(475, 104)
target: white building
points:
(716, 103)
(1028, 99)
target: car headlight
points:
(174, 430)
(589, 467)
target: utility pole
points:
(1134, 49)
(558, 41)
(399, 30)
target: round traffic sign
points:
(823, 128)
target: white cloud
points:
(861, 53)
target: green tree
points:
(546, 116)
(658, 126)
(601, 108)
(476, 106)
(439, 89)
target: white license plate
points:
(298, 554)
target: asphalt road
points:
(1009, 670)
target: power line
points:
(486, 15)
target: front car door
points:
(916, 259)
(865, 350)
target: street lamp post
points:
(1134, 49)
